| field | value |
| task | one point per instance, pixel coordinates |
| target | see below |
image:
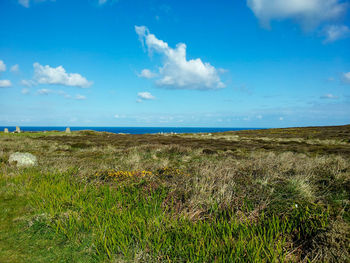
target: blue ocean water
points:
(131, 130)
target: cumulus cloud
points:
(145, 96)
(2, 66)
(5, 83)
(335, 32)
(58, 76)
(14, 68)
(177, 72)
(346, 77)
(329, 96)
(146, 73)
(309, 13)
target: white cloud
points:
(346, 77)
(44, 91)
(25, 91)
(178, 72)
(80, 97)
(281, 118)
(259, 117)
(328, 96)
(14, 68)
(5, 83)
(145, 96)
(309, 13)
(2, 66)
(116, 116)
(146, 73)
(335, 32)
(58, 76)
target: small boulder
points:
(23, 159)
(68, 130)
(6, 130)
(18, 129)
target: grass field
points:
(277, 195)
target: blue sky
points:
(247, 63)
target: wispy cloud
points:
(102, 2)
(177, 72)
(44, 91)
(2, 66)
(58, 76)
(346, 77)
(64, 94)
(329, 96)
(25, 91)
(54, 92)
(4, 83)
(14, 68)
(28, 82)
(26, 3)
(80, 97)
(336, 32)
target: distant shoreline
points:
(129, 130)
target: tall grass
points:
(258, 206)
(129, 221)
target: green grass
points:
(80, 204)
(129, 222)
(25, 235)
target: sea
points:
(130, 130)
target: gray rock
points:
(6, 130)
(18, 129)
(23, 159)
(68, 130)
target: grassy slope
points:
(213, 203)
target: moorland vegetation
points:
(276, 195)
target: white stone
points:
(67, 130)
(18, 129)
(23, 159)
(6, 130)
